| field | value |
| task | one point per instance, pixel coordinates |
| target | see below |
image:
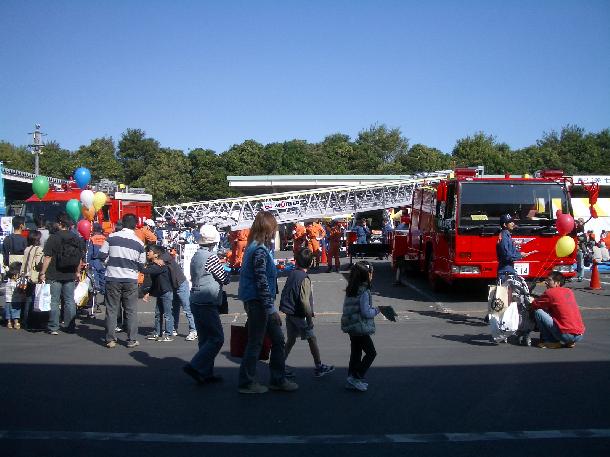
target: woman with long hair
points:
(32, 261)
(257, 289)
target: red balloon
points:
(564, 224)
(84, 228)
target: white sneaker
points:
(356, 384)
(192, 336)
(174, 333)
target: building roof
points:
(285, 183)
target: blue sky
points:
(212, 74)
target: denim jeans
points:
(123, 294)
(210, 338)
(164, 307)
(12, 310)
(550, 333)
(182, 298)
(580, 264)
(59, 290)
(259, 324)
(27, 306)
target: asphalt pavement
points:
(437, 386)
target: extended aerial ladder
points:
(240, 212)
(24, 176)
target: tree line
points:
(172, 176)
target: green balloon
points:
(40, 186)
(73, 209)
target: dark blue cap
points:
(505, 219)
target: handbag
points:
(23, 280)
(498, 298)
(81, 291)
(42, 297)
(510, 319)
(239, 340)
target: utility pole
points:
(36, 147)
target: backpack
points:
(70, 254)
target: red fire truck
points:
(120, 201)
(455, 226)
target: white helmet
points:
(209, 234)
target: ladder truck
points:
(455, 226)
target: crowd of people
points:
(118, 262)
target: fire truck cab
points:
(120, 201)
(455, 226)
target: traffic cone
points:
(323, 259)
(595, 283)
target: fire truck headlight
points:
(563, 268)
(466, 269)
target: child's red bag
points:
(239, 339)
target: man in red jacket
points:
(557, 315)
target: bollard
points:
(595, 283)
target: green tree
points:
(480, 149)
(378, 149)
(167, 177)
(18, 158)
(100, 158)
(246, 159)
(56, 162)
(423, 158)
(209, 179)
(135, 153)
(334, 153)
(296, 158)
(602, 162)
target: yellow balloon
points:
(99, 200)
(565, 246)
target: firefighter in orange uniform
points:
(315, 233)
(299, 237)
(334, 244)
(240, 241)
(145, 232)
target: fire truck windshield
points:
(532, 205)
(48, 210)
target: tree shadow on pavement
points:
(453, 318)
(91, 328)
(482, 339)
(171, 364)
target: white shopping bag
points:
(42, 297)
(510, 318)
(81, 292)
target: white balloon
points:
(86, 198)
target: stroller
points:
(509, 310)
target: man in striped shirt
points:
(126, 257)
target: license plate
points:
(522, 269)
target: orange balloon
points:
(88, 213)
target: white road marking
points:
(424, 438)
